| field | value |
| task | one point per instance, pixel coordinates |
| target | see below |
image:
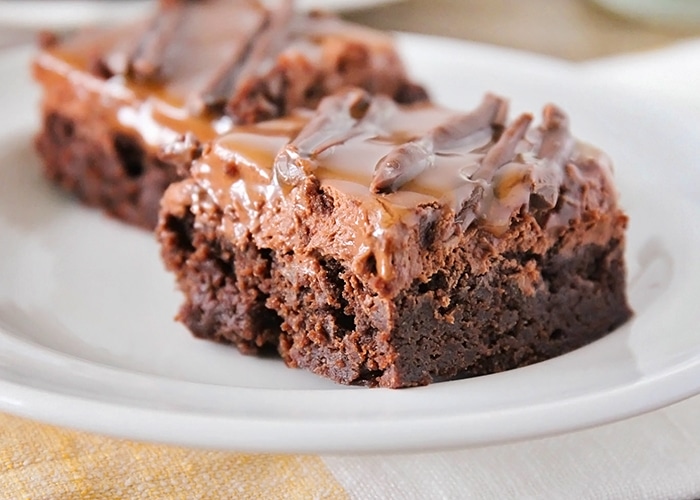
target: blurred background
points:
(569, 29)
(575, 30)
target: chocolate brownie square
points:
(395, 246)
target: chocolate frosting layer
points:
(394, 159)
(376, 184)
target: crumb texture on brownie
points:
(113, 97)
(397, 246)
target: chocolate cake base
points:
(104, 168)
(526, 307)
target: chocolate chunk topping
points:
(335, 122)
(409, 160)
(502, 176)
(555, 148)
(490, 170)
(145, 57)
(143, 60)
(556, 138)
(504, 150)
(291, 167)
(410, 93)
(492, 111)
(338, 119)
(403, 164)
(467, 199)
(147, 61)
(247, 55)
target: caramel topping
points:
(394, 160)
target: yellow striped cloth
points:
(651, 456)
(39, 461)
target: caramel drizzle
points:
(265, 41)
(407, 161)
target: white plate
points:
(87, 339)
(66, 14)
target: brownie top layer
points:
(191, 61)
(396, 158)
(366, 180)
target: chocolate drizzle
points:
(555, 150)
(493, 169)
(144, 60)
(492, 112)
(504, 150)
(407, 161)
(247, 55)
(338, 119)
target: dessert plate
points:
(66, 14)
(87, 338)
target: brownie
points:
(395, 246)
(112, 97)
